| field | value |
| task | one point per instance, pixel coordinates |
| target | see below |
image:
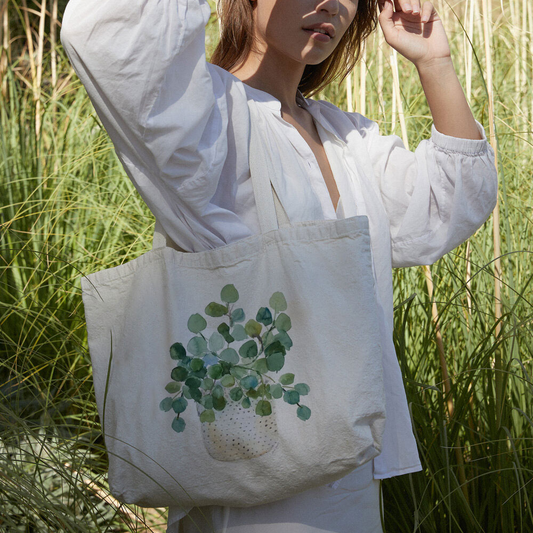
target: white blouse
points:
(181, 128)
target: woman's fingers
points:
(412, 7)
(427, 11)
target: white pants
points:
(350, 507)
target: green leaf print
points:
(229, 294)
(230, 356)
(216, 310)
(211, 373)
(283, 322)
(196, 323)
(302, 389)
(177, 351)
(292, 397)
(239, 333)
(253, 328)
(303, 412)
(166, 405)
(173, 387)
(207, 416)
(197, 346)
(237, 315)
(278, 302)
(179, 373)
(263, 408)
(216, 342)
(287, 379)
(179, 405)
(178, 425)
(275, 362)
(248, 350)
(264, 316)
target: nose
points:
(330, 6)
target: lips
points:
(321, 27)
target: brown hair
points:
(236, 40)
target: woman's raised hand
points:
(415, 31)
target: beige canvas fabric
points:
(241, 375)
(352, 507)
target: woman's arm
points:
(417, 33)
(144, 67)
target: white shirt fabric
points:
(181, 128)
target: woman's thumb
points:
(385, 17)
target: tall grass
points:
(465, 349)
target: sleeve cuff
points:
(463, 146)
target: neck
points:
(274, 74)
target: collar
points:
(274, 105)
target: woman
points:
(181, 129)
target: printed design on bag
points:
(237, 357)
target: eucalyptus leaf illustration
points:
(196, 323)
(177, 351)
(227, 381)
(179, 405)
(291, 396)
(197, 346)
(178, 425)
(275, 362)
(216, 310)
(260, 365)
(212, 373)
(249, 382)
(179, 373)
(166, 405)
(196, 394)
(263, 408)
(216, 341)
(253, 328)
(223, 329)
(264, 316)
(207, 416)
(215, 371)
(230, 356)
(239, 333)
(276, 390)
(196, 365)
(278, 302)
(303, 412)
(287, 379)
(173, 387)
(248, 350)
(283, 322)
(208, 384)
(238, 315)
(236, 394)
(207, 401)
(302, 389)
(229, 294)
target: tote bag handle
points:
(270, 211)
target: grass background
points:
(463, 328)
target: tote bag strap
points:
(269, 208)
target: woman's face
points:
(306, 31)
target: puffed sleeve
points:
(437, 196)
(143, 65)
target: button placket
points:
(316, 178)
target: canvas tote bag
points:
(240, 375)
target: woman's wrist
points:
(450, 110)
